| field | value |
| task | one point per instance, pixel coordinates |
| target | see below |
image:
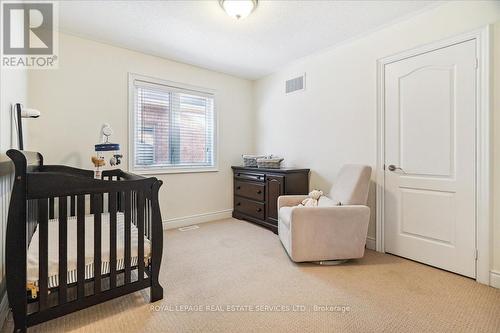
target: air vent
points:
(191, 227)
(295, 84)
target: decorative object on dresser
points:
(269, 162)
(251, 160)
(256, 192)
(262, 161)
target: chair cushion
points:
(325, 201)
(285, 215)
(352, 185)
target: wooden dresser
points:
(256, 192)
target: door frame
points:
(483, 147)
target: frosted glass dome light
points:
(238, 8)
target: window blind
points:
(173, 127)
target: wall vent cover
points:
(191, 227)
(296, 84)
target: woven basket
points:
(251, 160)
(269, 162)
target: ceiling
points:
(201, 34)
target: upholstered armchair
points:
(334, 230)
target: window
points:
(173, 127)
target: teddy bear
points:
(98, 161)
(312, 200)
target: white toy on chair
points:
(312, 200)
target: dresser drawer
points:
(249, 207)
(255, 176)
(250, 190)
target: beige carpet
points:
(233, 263)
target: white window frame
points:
(132, 127)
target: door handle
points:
(393, 168)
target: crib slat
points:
(112, 239)
(128, 212)
(140, 236)
(43, 253)
(134, 219)
(72, 202)
(63, 249)
(134, 204)
(97, 199)
(80, 245)
(51, 208)
(146, 227)
(150, 219)
(147, 219)
(121, 201)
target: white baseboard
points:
(4, 309)
(370, 243)
(495, 279)
(196, 219)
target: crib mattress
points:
(53, 249)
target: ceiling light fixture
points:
(238, 8)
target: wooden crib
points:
(73, 241)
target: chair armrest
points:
(339, 230)
(290, 200)
(335, 214)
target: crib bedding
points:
(53, 249)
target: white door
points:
(429, 206)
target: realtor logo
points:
(29, 34)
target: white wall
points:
(334, 121)
(496, 164)
(331, 123)
(13, 89)
(90, 88)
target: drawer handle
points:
(238, 204)
(238, 187)
(259, 210)
(259, 192)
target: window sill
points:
(172, 171)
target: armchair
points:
(336, 229)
